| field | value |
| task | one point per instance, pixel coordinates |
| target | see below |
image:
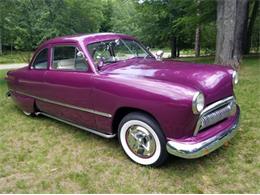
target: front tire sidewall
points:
(144, 161)
(150, 124)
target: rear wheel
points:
(28, 113)
(142, 139)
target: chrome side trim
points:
(67, 105)
(209, 108)
(78, 126)
(195, 150)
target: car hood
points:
(213, 80)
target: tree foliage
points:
(24, 24)
(30, 22)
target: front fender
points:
(169, 104)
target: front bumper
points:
(192, 150)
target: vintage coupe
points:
(110, 84)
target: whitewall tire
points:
(142, 140)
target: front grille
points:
(215, 113)
(215, 117)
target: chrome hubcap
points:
(140, 141)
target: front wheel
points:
(142, 139)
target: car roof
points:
(86, 38)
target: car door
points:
(69, 87)
(31, 82)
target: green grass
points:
(15, 57)
(40, 155)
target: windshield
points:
(116, 50)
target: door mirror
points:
(100, 62)
(117, 42)
(159, 55)
(80, 54)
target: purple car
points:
(110, 84)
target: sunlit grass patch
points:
(15, 57)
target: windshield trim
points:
(150, 55)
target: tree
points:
(231, 21)
(27, 23)
(197, 41)
(254, 5)
(3, 11)
(106, 25)
(1, 50)
(24, 24)
(123, 17)
(160, 24)
(197, 33)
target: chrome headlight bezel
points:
(235, 77)
(198, 102)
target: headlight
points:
(198, 102)
(235, 77)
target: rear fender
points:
(23, 102)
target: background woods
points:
(227, 28)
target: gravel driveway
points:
(11, 66)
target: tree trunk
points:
(178, 52)
(231, 20)
(241, 26)
(197, 42)
(173, 47)
(258, 42)
(251, 22)
(1, 50)
(197, 33)
(11, 47)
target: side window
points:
(68, 58)
(41, 60)
(100, 50)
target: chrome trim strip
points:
(217, 104)
(207, 109)
(195, 150)
(67, 105)
(78, 126)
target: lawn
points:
(40, 155)
(15, 57)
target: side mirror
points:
(100, 62)
(117, 42)
(80, 54)
(159, 55)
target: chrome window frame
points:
(52, 48)
(36, 55)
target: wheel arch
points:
(123, 111)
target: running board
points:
(78, 126)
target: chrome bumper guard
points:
(196, 150)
